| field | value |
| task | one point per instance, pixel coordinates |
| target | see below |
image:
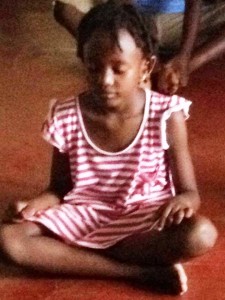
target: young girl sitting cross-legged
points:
(122, 201)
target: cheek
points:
(134, 76)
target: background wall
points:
(37, 62)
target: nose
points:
(108, 77)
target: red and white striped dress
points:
(114, 195)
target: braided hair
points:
(112, 17)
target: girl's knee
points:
(201, 235)
(13, 242)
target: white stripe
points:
(72, 224)
(87, 182)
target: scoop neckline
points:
(141, 128)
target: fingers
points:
(183, 81)
(173, 214)
(28, 212)
(164, 217)
(20, 205)
(24, 209)
(13, 212)
(171, 77)
(178, 217)
(37, 205)
(189, 212)
(168, 81)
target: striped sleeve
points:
(173, 104)
(59, 127)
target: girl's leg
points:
(148, 257)
(192, 238)
(26, 245)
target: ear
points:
(148, 66)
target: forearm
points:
(60, 179)
(209, 51)
(190, 26)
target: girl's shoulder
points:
(163, 102)
(59, 105)
(63, 107)
(61, 122)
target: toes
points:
(167, 280)
(182, 277)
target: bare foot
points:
(171, 279)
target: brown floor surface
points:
(37, 63)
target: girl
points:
(122, 200)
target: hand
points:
(25, 209)
(30, 208)
(173, 75)
(11, 214)
(174, 212)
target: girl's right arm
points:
(60, 184)
(60, 178)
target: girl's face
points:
(114, 71)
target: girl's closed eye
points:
(120, 70)
(97, 69)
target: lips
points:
(108, 94)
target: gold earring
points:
(145, 77)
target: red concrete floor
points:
(37, 63)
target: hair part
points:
(111, 18)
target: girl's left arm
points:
(187, 200)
